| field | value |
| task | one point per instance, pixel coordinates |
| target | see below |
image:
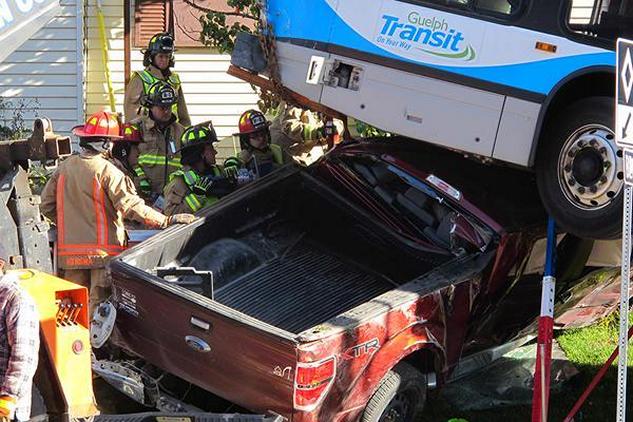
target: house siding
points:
(44, 72)
(211, 94)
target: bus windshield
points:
(608, 19)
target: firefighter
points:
(161, 134)
(302, 133)
(258, 155)
(201, 182)
(88, 197)
(19, 346)
(125, 153)
(158, 60)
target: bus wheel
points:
(580, 171)
(399, 398)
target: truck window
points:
(425, 212)
(493, 7)
(607, 19)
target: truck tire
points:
(580, 172)
(399, 398)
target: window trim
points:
(577, 36)
(137, 39)
(473, 12)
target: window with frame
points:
(606, 19)
(150, 17)
(490, 7)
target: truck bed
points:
(287, 255)
(305, 286)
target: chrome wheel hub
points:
(590, 167)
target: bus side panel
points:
(293, 68)
(420, 107)
(298, 21)
(516, 131)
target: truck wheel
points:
(580, 171)
(400, 397)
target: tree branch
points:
(185, 30)
(196, 6)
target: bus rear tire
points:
(580, 172)
(400, 396)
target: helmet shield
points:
(161, 43)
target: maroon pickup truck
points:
(340, 292)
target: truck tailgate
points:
(203, 342)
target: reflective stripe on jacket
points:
(138, 86)
(157, 159)
(149, 79)
(88, 196)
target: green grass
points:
(587, 349)
(592, 346)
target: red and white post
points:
(542, 370)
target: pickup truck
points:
(339, 292)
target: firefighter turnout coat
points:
(140, 83)
(88, 197)
(158, 159)
(179, 193)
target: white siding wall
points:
(45, 69)
(211, 94)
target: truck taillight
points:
(312, 383)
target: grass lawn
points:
(587, 349)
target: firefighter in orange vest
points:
(157, 59)
(88, 197)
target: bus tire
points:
(400, 396)
(580, 172)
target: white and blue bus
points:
(522, 82)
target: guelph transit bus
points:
(528, 83)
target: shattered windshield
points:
(419, 207)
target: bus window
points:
(460, 4)
(608, 19)
(501, 7)
(491, 7)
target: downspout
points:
(127, 55)
(80, 49)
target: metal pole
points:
(540, 398)
(624, 304)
